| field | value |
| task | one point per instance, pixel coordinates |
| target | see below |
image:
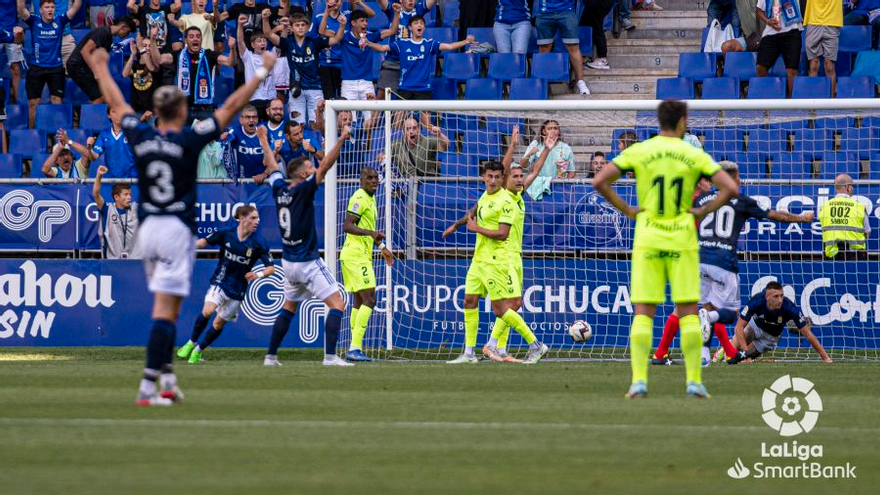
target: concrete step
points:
(642, 86)
(605, 96)
(641, 61)
(686, 5)
(642, 46)
(691, 35)
(623, 72)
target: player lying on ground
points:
(240, 248)
(356, 258)
(492, 272)
(762, 321)
(719, 273)
(305, 274)
(667, 170)
(166, 158)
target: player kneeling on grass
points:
(356, 258)
(762, 321)
(491, 272)
(240, 248)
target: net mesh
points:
(577, 246)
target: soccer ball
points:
(580, 331)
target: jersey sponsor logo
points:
(19, 210)
(236, 258)
(245, 150)
(663, 255)
(598, 222)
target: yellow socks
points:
(513, 319)
(359, 327)
(640, 346)
(691, 346)
(500, 332)
(471, 325)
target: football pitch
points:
(68, 425)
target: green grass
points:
(68, 425)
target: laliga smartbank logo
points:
(791, 407)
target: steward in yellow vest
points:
(844, 223)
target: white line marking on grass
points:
(429, 425)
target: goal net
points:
(576, 245)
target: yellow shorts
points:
(497, 280)
(651, 268)
(516, 261)
(358, 275)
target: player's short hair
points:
(243, 211)
(294, 165)
(773, 285)
(730, 167)
(126, 20)
(414, 19)
(298, 17)
(191, 28)
(257, 35)
(670, 112)
(366, 169)
(118, 188)
(167, 101)
(358, 14)
(492, 165)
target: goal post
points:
(576, 246)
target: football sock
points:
(148, 382)
(670, 329)
(199, 327)
(353, 324)
(167, 379)
(500, 332)
(471, 324)
(724, 340)
(210, 337)
(691, 347)
(160, 344)
(331, 331)
(516, 321)
(726, 316)
(279, 330)
(359, 329)
(640, 347)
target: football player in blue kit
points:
(240, 249)
(305, 274)
(166, 158)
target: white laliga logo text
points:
(19, 210)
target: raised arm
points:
(539, 162)
(84, 150)
(458, 223)
(132, 6)
(97, 61)
(808, 333)
(786, 217)
(232, 58)
(50, 161)
(22, 10)
(239, 33)
(74, 8)
(270, 35)
(430, 4)
(377, 46)
(129, 64)
(511, 147)
(727, 189)
(242, 96)
(337, 36)
(157, 58)
(443, 145)
(395, 23)
(330, 158)
(179, 24)
(96, 189)
(363, 6)
(176, 6)
(445, 47)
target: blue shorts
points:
(565, 23)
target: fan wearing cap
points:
(719, 280)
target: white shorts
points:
(169, 252)
(14, 53)
(227, 308)
(719, 287)
(762, 340)
(306, 104)
(357, 90)
(281, 74)
(306, 280)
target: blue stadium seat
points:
(482, 145)
(16, 116)
(94, 117)
(778, 69)
(861, 141)
(675, 88)
(528, 88)
(441, 34)
(74, 95)
(552, 67)
(855, 87)
(461, 66)
(766, 141)
(117, 62)
(124, 86)
(444, 89)
(482, 89)
(697, 66)
(854, 39)
(37, 165)
(379, 21)
(222, 89)
(751, 165)
(26, 142)
(507, 66)
(740, 65)
(52, 117)
(450, 13)
(811, 87)
(790, 119)
(843, 66)
(766, 88)
(720, 88)
(482, 34)
(834, 164)
(79, 34)
(10, 167)
(788, 165)
(721, 141)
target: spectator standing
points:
(245, 151)
(557, 16)
(781, 37)
(102, 13)
(594, 14)
(68, 42)
(823, 19)
(114, 145)
(414, 154)
(649, 5)
(252, 58)
(860, 15)
(13, 47)
(558, 164)
(199, 19)
(101, 37)
(153, 14)
(46, 65)
(476, 13)
(330, 61)
(624, 15)
(119, 220)
(513, 27)
(195, 73)
(144, 69)
(720, 9)
(389, 72)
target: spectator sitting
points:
(297, 144)
(781, 36)
(113, 143)
(194, 66)
(201, 21)
(597, 163)
(414, 154)
(101, 37)
(275, 120)
(720, 9)
(144, 69)
(823, 19)
(559, 17)
(210, 165)
(559, 164)
(860, 15)
(512, 27)
(60, 164)
(119, 220)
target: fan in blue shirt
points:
(553, 6)
(304, 48)
(357, 62)
(300, 142)
(244, 147)
(46, 31)
(240, 249)
(275, 123)
(762, 321)
(112, 143)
